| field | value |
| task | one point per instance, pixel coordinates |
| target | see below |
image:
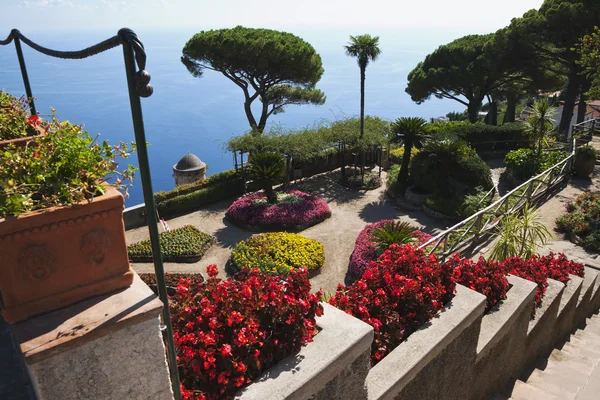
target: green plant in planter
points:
(585, 160)
(393, 232)
(267, 168)
(520, 235)
(64, 167)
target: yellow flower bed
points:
(278, 253)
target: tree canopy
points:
(589, 50)
(278, 68)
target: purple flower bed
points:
(364, 249)
(306, 210)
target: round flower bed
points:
(294, 210)
(364, 249)
(278, 253)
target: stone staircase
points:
(569, 373)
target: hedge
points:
(479, 134)
(194, 200)
(194, 186)
(185, 244)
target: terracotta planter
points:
(58, 256)
(584, 165)
(24, 140)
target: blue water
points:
(187, 114)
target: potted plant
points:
(16, 126)
(62, 236)
(585, 161)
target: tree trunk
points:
(288, 168)
(570, 96)
(582, 106)
(492, 115)
(270, 194)
(403, 174)
(250, 116)
(473, 111)
(511, 108)
(362, 119)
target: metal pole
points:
(140, 138)
(25, 76)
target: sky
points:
(474, 16)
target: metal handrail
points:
(138, 86)
(474, 229)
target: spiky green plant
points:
(410, 131)
(392, 232)
(266, 169)
(520, 235)
(540, 123)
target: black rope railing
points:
(138, 80)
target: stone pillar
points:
(106, 347)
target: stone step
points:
(572, 361)
(524, 391)
(558, 380)
(587, 334)
(588, 354)
(590, 391)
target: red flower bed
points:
(538, 269)
(228, 331)
(303, 210)
(364, 249)
(397, 295)
(172, 279)
(487, 277)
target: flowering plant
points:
(365, 250)
(228, 331)
(278, 253)
(396, 295)
(302, 210)
(582, 221)
(15, 122)
(487, 277)
(172, 279)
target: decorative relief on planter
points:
(94, 245)
(36, 261)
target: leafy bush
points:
(392, 184)
(391, 232)
(173, 279)
(15, 121)
(365, 249)
(472, 203)
(278, 253)
(194, 200)
(396, 296)
(250, 211)
(522, 163)
(64, 167)
(582, 221)
(448, 206)
(538, 269)
(355, 180)
(221, 177)
(487, 277)
(482, 136)
(586, 151)
(228, 332)
(185, 244)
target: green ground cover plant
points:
(185, 244)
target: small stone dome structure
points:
(189, 169)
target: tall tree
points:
(277, 68)
(589, 51)
(365, 48)
(410, 131)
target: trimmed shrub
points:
(521, 164)
(365, 249)
(278, 253)
(185, 244)
(481, 136)
(195, 200)
(172, 280)
(221, 177)
(396, 296)
(392, 184)
(228, 332)
(582, 221)
(296, 210)
(487, 277)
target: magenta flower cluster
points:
(309, 211)
(364, 249)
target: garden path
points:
(351, 211)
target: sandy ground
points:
(351, 211)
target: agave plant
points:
(267, 168)
(392, 232)
(520, 235)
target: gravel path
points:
(351, 211)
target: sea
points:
(198, 115)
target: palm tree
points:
(410, 131)
(393, 232)
(365, 48)
(267, 168)
(540, 123)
